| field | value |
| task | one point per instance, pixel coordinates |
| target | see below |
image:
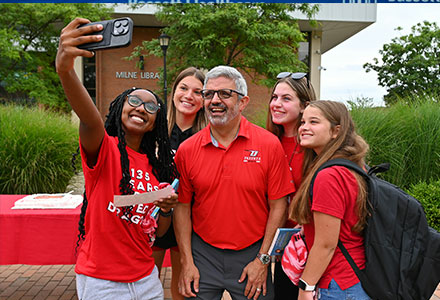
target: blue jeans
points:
(334, 292)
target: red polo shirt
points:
(231, 186)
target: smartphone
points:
(116, 33)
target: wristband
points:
(165, 214)
(305, 286)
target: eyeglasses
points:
(150, 106)
(222, 94)
(295, 76)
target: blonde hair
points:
(347, 144)
(305, 92)
(200, 121)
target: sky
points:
(344, 77)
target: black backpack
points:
(402, 252)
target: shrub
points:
(404, 135)
(429, 197)
(36, 151)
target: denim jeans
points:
(334, 292)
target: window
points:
(89, 71)
(304, 50)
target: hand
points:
(256, 274)
(166, 204)
(189, 274)
(72, 36)
(301, 231)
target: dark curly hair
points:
(155, 144)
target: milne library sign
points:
(136, 75)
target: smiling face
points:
(136, 120)
(187, 97)
(222, 111)
(316, 131)
(285, 108)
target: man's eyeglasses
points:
(222, 94)
(295, 76)
(150, 106)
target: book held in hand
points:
(281, 239)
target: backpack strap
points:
(338, 162)
(379, 168)
(350, 260)
(352, 166)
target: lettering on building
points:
(136, 75)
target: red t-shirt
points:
(231, 186)
(334, 193)
(114, 249)
(295, 157)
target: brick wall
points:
(114, 75)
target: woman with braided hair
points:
(129, 153)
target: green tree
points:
(410, 64)
(28, 44)
(260, 39)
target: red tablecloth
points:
(37, 236)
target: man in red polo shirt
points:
(234, 183)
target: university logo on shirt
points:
(252, 156)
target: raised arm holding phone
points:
(128, 153)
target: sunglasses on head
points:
(294, 76)
(222, 94)
(149, 106)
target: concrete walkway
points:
(57, 282)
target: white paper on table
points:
(143, 198)
(48, 201)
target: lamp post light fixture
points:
(164, 41)
(141, 62)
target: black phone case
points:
(116, 33)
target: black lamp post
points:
(164, 41)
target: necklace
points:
(293, 154)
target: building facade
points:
(108, 74)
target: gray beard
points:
(223, 120)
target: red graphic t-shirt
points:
(115, 249)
